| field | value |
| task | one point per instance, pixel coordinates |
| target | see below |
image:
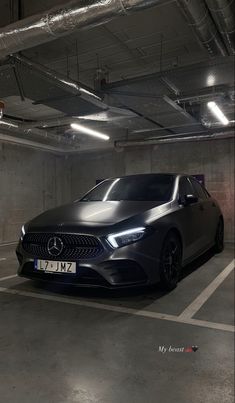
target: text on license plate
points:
(50, 266)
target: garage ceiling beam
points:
(4, 138)
(65, 19)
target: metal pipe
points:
(14, 127)
(110, 115)
(223, 13)
(53, 122)
(173, 139)
(185, 125)
(199, 18)
(65, 19)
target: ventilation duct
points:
(13, 127)
(53, 122)
(65, 19)
(61, 81)
(75, 88)
(106, 116)
(199, 18)
(223, 13)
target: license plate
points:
(51, 266)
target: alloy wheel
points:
(219, 242)
(171, 262)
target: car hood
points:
(90, 214)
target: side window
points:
(185, 188)
(199, 190)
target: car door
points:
(192, 216)
(208, 208)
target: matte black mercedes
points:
(127, 231)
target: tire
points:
(170, 262)
(219, 237)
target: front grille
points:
(74, 246)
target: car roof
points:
(149, 174)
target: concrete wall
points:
(33, 181)
(215, 159)
(30, 182)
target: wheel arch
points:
(176, 232)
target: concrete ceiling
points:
(156, 44)
(124, 47)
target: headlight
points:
(126, 237)
(22, 234)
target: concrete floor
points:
(63, 345)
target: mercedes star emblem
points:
(55, 246)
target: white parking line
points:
(2, 258)
(194, 307)
(8, 277)
(130, 311)
(8, 244)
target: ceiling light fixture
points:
(217, 112)
(88, 131)
(2, 105)
(211, 80)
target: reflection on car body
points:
(127, 231)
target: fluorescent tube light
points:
(88, 131)
(217, 112)
(211, 80)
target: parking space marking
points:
(130, 311)
(2, 258)
(209, 325)
(7, 244)
(8, 277)
(194, 307)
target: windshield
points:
(154, 187)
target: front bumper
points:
(132, 265)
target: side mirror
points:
(190, 199)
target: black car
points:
(127, 231)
